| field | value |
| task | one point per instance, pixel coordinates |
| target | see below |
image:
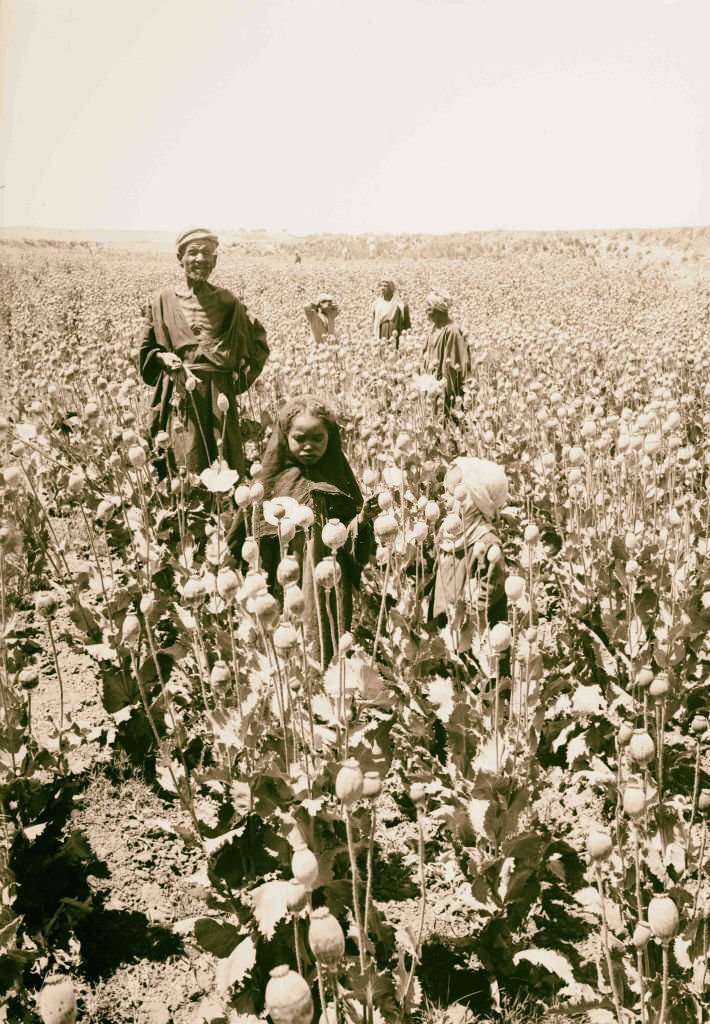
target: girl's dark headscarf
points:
(281, 474)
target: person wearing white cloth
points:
(390, 314)
(469, 587)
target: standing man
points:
(446, 354)
(321, 316)
(200, 350)
(390, 315)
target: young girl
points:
(469, 588)
(304, 460)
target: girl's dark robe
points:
(330, 489)
(224, 361)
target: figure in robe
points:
(446, 354)
(390, 314)
(199, 344)
(304, 464)
(321, 316)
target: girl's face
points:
(307, 438)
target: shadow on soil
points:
(110, 938)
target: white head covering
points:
(438, 300)
(485, 481)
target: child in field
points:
(469, 588)
(304, 461)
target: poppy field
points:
(199, 824)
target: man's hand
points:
(170, 361)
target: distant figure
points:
(321, 316)
(199, 348)
(446, 354)
(297, 258)
(390, 314)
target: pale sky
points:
(355, 115)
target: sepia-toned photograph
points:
(354, 512)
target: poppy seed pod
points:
(660, 686)
(136, 456)
(285, 638)
(294, 602)
(385, 527)
(194, 591)
(663, 918)
(431, 512)
(304, 866)
(286, 529)
(297, 896)
(227, 583)
(222, 402)
(494, 554)
(514, 587)
(56, 1002)
(327, 573)
(288, 571)
(699, 724)
(76, 481)
(641, 747)
(642, 935)
(349, 782)
(626, 731)
(417, 793)
(531, 534)
(287, 997)
(256, 491)
(599, 844)
(242, 496)
(644, 676)
(452, 526)
(634, 801)
(220, 673)
(345, 643)
(131, 630)
(266, 609)
(420, 532)
(500, 637)
(104, 510)
(250, 551)
(652, 443)
(385, 500)
(704, 800)
(326, 937)
(371, 785)
(303, 517)
(334, 534)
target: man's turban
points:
(195, 235)
(439, 301)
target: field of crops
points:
(201, 826)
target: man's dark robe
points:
(446, 355)
(227, 363)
